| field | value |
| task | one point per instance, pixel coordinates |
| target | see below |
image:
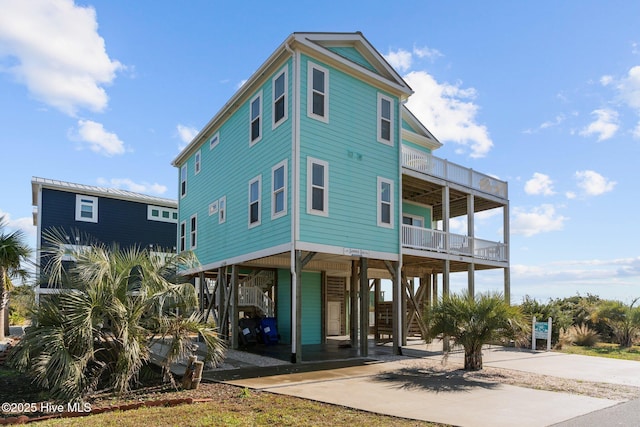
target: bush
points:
(582, 335)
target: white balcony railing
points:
(441, 168)
(255, 297)
(435, 240)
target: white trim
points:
(250, 224)
(340, 250)
(214, 140)
(183, 180)
(422, 205)
(379, 202)
(222, 210)
(284, 72)
(325, 201)
(391, 119)
(182, 236)
(283, 248)
(213, 208)
(259, 117)
(193, 232)
(284, 190)
(413, 217)
(82, 200)
(172, 218)
(197, 164)
(310, 67)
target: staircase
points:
(252, 293)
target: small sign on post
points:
(541, 331)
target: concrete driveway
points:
(394, 388)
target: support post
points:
(233, 309)
(296, 308)
(376, 302)
(364, 309)
(353, 304)
(471, 279)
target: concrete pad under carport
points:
(385, 388)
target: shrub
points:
(583, 335)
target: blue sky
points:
(545, 95)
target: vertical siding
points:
(349, 144)
(283, 308)
(227, 170)
(311, 308)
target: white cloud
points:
(448, 111)
(539, 184)
(425, 52)
(605, 125)
(570, 195)
(400, 59)
(636, 131)
(58, 53)
(592, 183)
(128, 184)
(606, 80)
(540, 219)
(97, 138)
(186, 134)
(25, 223)
(629, 88)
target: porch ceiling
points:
(430, 193)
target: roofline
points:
(112, 193)
(428, 134)
(304, 39)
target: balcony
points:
(426, 239)
(440, 168)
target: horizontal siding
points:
(353, 55)
(349, 144)
(416, 146)
(227, 170)
(418, 210)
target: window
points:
(279, 85)
(318, 93)
(254, 201)
(162, 214)
(197, 162)
(317, 187)
(214, 140)
(385, 119)
(279, 190)
(183, 236)
(222, 210)
(255, 116)
(213, 208)
(385, 202)
(86, 208)
(193, 232)
(183, 180)
(414, 220)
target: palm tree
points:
(622, 319)
(117, 306)
(13, 252)
(474, 321)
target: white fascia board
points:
(275, 250)
(350, 252)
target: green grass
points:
(613, 351)
(262, 409)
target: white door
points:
(333, 317)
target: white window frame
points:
(380, 202)
(213, 208)
(82, 200)
(193, 232)
(285, 74)
(310, 162)
(222, 210)
(252, 119)
(183, 237)
(197, 165)
(391, 119)
(161, 211)
(310, 91)
(276, 191)
(257, 179)
(183, 180)
(214, 140)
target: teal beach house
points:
(313, 186)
